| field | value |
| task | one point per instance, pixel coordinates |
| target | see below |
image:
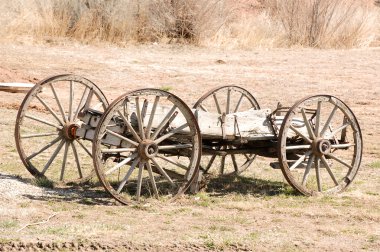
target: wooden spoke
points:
(171, 119)
(318, 175)
(44, 148)
(50, 109)
(139, 118)
(210, 163)
(124, 181)
(122, 137)
(327, 124)
(88, 99)
(124, 162)
(58, 102)
(171, 133)
(307, 124)
(129, 126)
(236, 168)
(228, 101)
(144, 110)
(339, 160)
(64, 161)
(139, 181)
(239, 102)
(71, 100)
(308, 168)
(300, 134)
(203, 108)
(324, 161)
(341, 146)
(175, 146)
(250, 159)
(149, 127)
(80, 105)
(76, 159)
(318, 119)
(152, 181)
(298, 147)
(300, 160)
(217, 103)
(222, 164)
(55, 153)
(167, 159)
(162, 171)
(164, 122)
(344, 126)
(84, 148)
(117, 150)
(40, 135)
(43, 121)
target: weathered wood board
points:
(248, 125)
(16, 87)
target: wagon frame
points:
(143, 130)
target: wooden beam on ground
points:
(16, 87)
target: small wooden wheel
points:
(320, 145)
(46, 124)
(226, 100)
(147, 144)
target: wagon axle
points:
(148, 142)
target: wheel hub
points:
(147, 149)
(322, 147)
(69, 130)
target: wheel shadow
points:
(223, 185)
(86, 193)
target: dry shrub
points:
(324, 23)
(272, 23)
(248, 31)
(117, 21)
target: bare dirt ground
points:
(254, 213)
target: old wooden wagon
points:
(148, 142)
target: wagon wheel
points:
(227, 99)
(46, 124)
(159, 149)
(320, 145)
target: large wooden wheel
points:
(320, 145)
(155, 150)
(46, 124)
(226, 100)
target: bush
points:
(261, 23)
(324, 23)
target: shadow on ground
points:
(223, 185)
(44, 190)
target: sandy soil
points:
(250, 219)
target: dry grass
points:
(272, 23)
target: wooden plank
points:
(249, 125)
(16, 87)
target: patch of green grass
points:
(372, 238)
(166, 88)
(8, 224)
(43, 182)
(253, 236)
(221, 228)
(57, 230)
(6, 240)
(375, 164)
(79, 216)
(203, 199)
(372, 193)
(24, 204)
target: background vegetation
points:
(222, 23)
